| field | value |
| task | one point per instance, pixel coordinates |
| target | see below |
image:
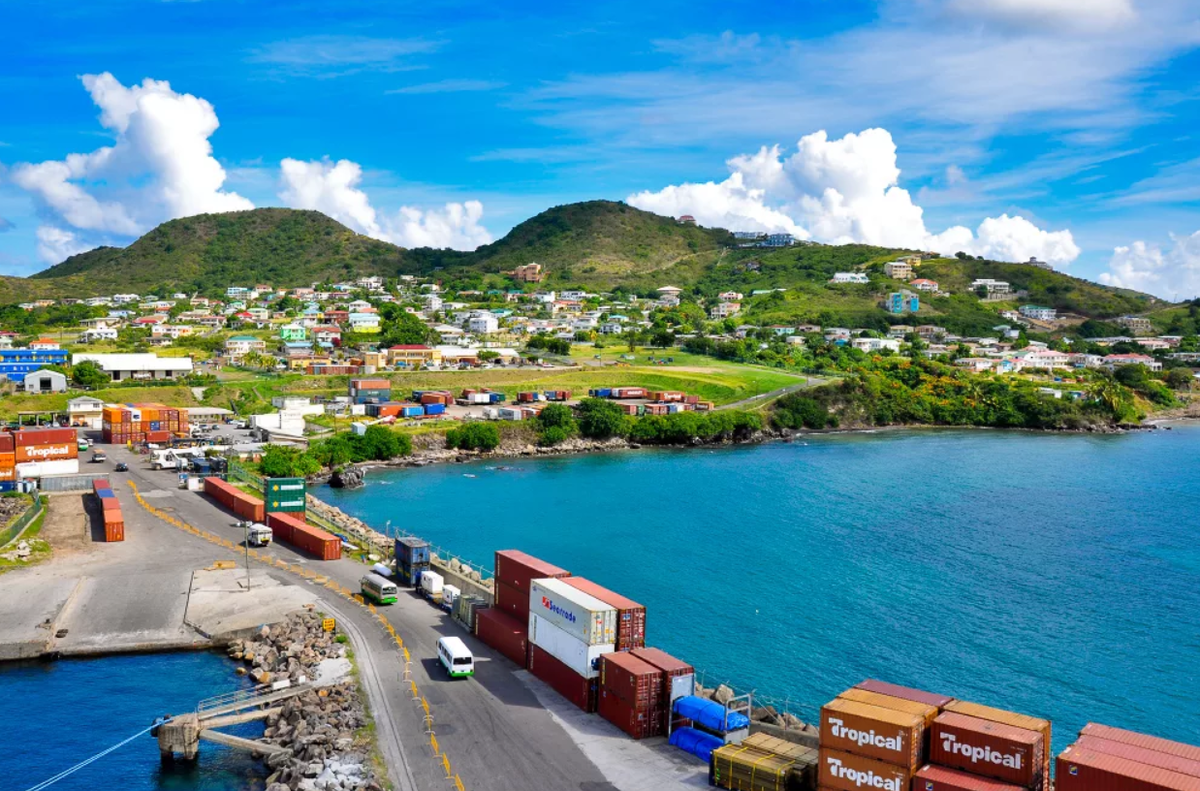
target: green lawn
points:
(171, 395)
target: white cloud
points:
(841, 191)
(55, 244)
(160, 167)
(449, 86)
(1069, 14)
(332, 188)
(1174, 274)
(330, 55)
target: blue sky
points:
(1058, 128)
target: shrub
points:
(474, 436)
(553, 436)
(600, 419)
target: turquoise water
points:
(1057, 575)
(55, 714)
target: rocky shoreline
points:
(322, 727)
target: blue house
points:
(15, 363)
(902, 302)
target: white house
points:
(97, 335)
(1038, 312)
(850, 277)
(1117, 360)
(876, 344)
(483, 324)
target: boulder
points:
(723, 694)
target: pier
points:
(180, 735)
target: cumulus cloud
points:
(1172, 274)
(842, 191)
(56, 244)
(1040, 14)
(161, 165)
(332, 188)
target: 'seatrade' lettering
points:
(559, 611)
(974, 754)
(866, 738)
(861, 779)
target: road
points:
(763, 398)
(493, 728)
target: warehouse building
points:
(137, 366)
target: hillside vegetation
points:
(596, 245)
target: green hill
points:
(596, 245)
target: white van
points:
(455, 657)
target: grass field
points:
(171, 395)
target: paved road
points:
(804, 383)
(496, 733)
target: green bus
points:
(375, 588)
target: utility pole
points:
(246, 525)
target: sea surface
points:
(1055, 575)
(56, 714)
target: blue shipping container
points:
(105, 494)
(155, 425)
(435, 409)
(604, 392)
(410, 551)
(412, 411)
(497, 398)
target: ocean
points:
(1052, 574)
(57, 714)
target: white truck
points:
(431, 586)
(259, 535)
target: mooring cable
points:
(51, 781)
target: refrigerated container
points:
(581, 657)
(579, 614)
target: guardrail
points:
(10, 533)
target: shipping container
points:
(110, 504)
(48, 451)
(503, 633)
(991, 749)
(410, 550)
(46, 436)
(579, 614)
(114, 526)
(925, 711)
(293, 530)
(940, 778)
(745, 768)
(906, 693)
(581, 657)
(631, 616)
(1085, 770)
(1143, 755)
(874, 732)
(105, 494)
(633, 680)
(517, 569)
(638, 723)
(413, 410)
(38, 469)
(842, 771)
(1009, 718)
(579, 691)
(679, 678)
(1180, 749)
(435, 409)
(100, 483)
(239, 502)
(511, 602)
(8, 443)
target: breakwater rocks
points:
(766, 718)
(322, 726)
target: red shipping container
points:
(634, 681)
(303, 536)
(939, 778)
(511, 602)
(515, 568)
(987, 748)
(114, 526)
(639, 723)
(242, 504)
(98, 484)
(1143, 755)
(1142, 740)
(158, 436)
(507, 635)
(631, 616)
(907, 693)
(1084, 770)
(110, 504)
(46, 436)
(580, 691)
(7, 443)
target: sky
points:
(1059, 129)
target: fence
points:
(23, 521)
(239, 472)
(68, 483)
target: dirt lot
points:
(67, 524)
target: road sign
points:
(284, 494)
(328, 624)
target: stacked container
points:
(515, 572)
(362, 391)
(149, 422)
(569, 631)
(678, 679)
(40, 451)
(631, 616)
(1014, 719)
(628, 392)
(110, 510)
(1114, 759)
(504, 633)
(630, 695)
(8, 457)
(412, 558)
(293, 530)
(241, 503)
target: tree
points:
(88, 374)
(632, 338)
(600, 419)
(381, 443)
(662, 339)
(285, 461)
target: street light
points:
(246, 526)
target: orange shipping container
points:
(874, 732)
(8, 459)
(63, 450)
(8, 473)
(1010, 718)
(991, 749)
(924, 710)
(1141, 740)
(842, 771)
(114, 526)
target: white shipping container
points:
(431, 582)
(566, 648)
(479, 398)
(450, 594)
(583, 616)
(508, 413)
(38, 469)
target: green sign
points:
(283, 494)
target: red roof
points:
(410, 346)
